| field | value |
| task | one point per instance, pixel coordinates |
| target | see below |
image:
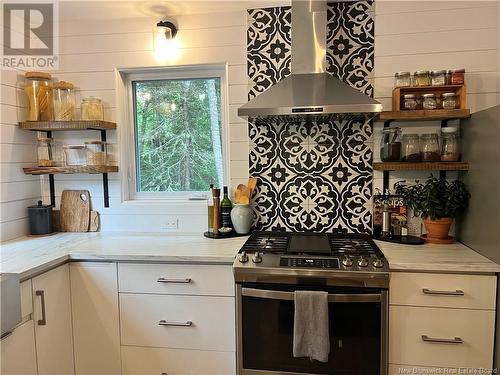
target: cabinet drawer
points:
(475, 328)
(442, 290)
(156, 361)
(187, 322)
(176, 279)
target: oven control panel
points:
(310, 262)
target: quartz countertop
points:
(30, 256)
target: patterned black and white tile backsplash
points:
(313, 176)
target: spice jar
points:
(438, 77)
(457, 77)
(92, 109)
(410, 148)
(97, 153)
(390, 145)
(430, 147)
(64, 101)
(449, 100)
(402, 79)
(422, 78)
(410, 102)
(450, 144)
(429, 101)
(75, 155)
(46, 153)
(38, 89)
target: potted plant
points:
(437, 202)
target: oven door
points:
(358, 331)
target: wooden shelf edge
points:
(71, 170)
(424, 115)
(421, 166)
(67, 125)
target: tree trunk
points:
(214, 123)
(187, 136)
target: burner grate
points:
(352, 244)
(267, 242)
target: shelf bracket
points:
(52, 190)
(385, 184)
(105, 182)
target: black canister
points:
(40, 217)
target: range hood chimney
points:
(309, 92)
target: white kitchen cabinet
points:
(52, 319)
(96, 328)
(18, 355)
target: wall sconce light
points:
(165, 45)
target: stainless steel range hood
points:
(309, 91)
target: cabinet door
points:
(18, 351)
(94, 295)
(52, 316)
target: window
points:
(178, 132)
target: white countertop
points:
(30, 256)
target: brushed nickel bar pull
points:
(163, 322)
(457, 292)
(455, 340)
(41, 294)
(186, 280)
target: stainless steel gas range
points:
(272, 265)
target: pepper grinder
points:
(216, 199)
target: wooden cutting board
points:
(75, 211)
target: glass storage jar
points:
(410, 102)
(402, 79)
(429, 101)
(449, 100)
(75, 155)
(450, 144)
(46, 153)
(38, 90)
(97, 153)
(430, 147)
(457, 77)
(92, 109)
(438, 77)
(390, 145)
(410, 148)
(422, 78)
(64, 101)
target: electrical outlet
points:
(171, 223)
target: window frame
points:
(130, 191)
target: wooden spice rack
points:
(420, 166)
(399, 92)
(50, 126)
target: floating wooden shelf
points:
(48, 126)
(94, 169)
(424, 115)
(436, 166)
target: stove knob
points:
(362, 262)
(378, 263)
(243, 257)
(257, 258)
(347, 262)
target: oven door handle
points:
(289, 296)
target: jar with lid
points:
(449, 100)
(410, 102)
(422, 78)
(438, 77)
(429, 101)
(38, 90)
(75, 155)
(96, 152)
(390, 145)
(457, 77)
(92, 109)
(64, 101)
(430, 147)
(402, 79)
(410, 148)
(450, 144)
(46, 153)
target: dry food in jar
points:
(430, 147)
(449, 100)
(38, 90)
(457, 77)
(429, 101)
(422, 78)
(46, 153)
(438, 77)
(64, 101)
(402, 79)
(75, 155)
(390, 145)
(410, 102)
(92, 109)
(410, 148)
(96, 153)
(450, 144)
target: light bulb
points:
(166, 48)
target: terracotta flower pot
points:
(438, 228)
